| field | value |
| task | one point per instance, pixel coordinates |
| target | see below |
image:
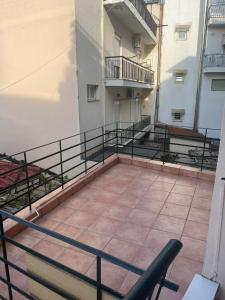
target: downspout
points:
(156, 115)
(202, 55)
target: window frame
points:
(217, 90)
(95, 92)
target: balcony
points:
(217, 14)
(123, 72)
(214, 63)
(135, 16)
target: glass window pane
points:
(218, 85)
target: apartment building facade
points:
(192, 74)
(117, 61)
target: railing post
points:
(103, 145)
(99, 278)
(27, 179)
(132, 149)
(85, 152)
(164, 145)
(4, 252)
(61, 163)
(117, 140)
(203, 152)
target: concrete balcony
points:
(214, 63)
(123, 72)
(217, 14)
(135, 16)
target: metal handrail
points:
(121, 67)
(214, 60)
(161, 263)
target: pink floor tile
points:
(162, 186)
(66, 230)
(76, 260)
(49, 249)
(132, 233)
(182, 189)
(186, 181)
(95, 207)
(193, 249)
(183, 272)
(128, 200)
(43, 222)
(123, 250)
(165, 177)
(156, 195)
(117, 212)
(199, 215)
(81, 219)
(201, 202)
(196, 230)
(117, 188)
(128, 283)
(174, 210)
(169, 224)
(145, 257)
(106, 225)
(179, 199)
(153, 206)
(112, 275)
(60, 213)
(142, 217)
(158, 239)
(93, 239)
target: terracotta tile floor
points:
(129, 212)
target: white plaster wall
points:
(180, 55)
(214, 263)
(89, 47)
(211, 105)
(38, 83)
(212, 102)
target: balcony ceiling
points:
(214, 70)
(127, 15)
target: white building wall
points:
(38, 83)
(180, 55)
(212, 102)
(89, 48)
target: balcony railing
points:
(217, 12)
(120, 67)
(214, 61)
(140, 6)
(145, 14)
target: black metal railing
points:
(214, 61)
(141, 8)
(199, 151)
(71, 158)
(140, 5)
(217, 12)
(120, 67)
(155, 274)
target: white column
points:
(214, 264)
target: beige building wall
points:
(38, 85)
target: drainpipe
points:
(156, 115)
(202, 55)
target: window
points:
(179, 77)
(130, 93)
(177, 115)
(181, 32)
(182, 35)
(218, 85)
(92, 92)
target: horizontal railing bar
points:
(17, 289)
(42, 282)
